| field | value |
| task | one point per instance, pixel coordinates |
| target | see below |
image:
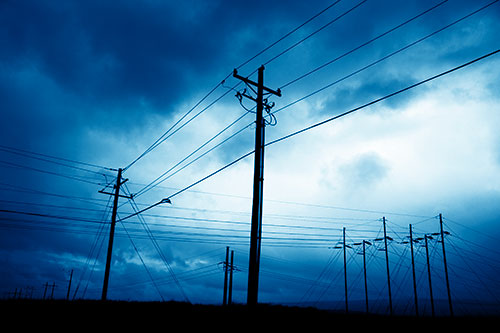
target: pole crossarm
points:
(255, 84)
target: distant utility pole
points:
(413, 270)
(387, 264)
(69, 284)
(364, 272)
(258, 183)
(345, 271)
(445, 265)
(226, 267)
(231, 269)
(53, 286)
(429, 274)
(116, 195)
(45, 286)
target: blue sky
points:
(98, 82)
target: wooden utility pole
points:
(45, 286)
(387, 264)
(226, 267)
(429, 274)
(69, 284)
(119, 183)
(258, 183)
(413, 270)
(345, 272)
(231, 269)
(445, 265)
(364, 272)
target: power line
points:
(157, 181)
(384, 97)
(316, 31)
(12, 149)
(166, 135)
(363, 45)
(337, 117)
(15, 165)
(384, 58)
(288, 34)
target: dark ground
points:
(177, 316)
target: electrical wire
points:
(166, 135)
(387, 56)
(362, 45)
(378, 100)
(315, 32)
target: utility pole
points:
(345, 272)
(46, 285)
(413, 270)
(231, 269)
(69, 284)
(364, 272)
(119, 183)
(53, 286)
(445, 265)
(258, 183)
(226, 267)
(387, 264)
(429, 274)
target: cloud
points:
(363, 171)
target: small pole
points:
(429, 275)
(387, 264)
(345, 274)
(413, 270)
(445, 265)
(45, 286)
(231, 269)
(226, 266)
(52, 292)
(69, 285)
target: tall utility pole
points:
(119, 183)
(258, 183)
(364, 272)
(226, 267)
(445, 265)
(413, 270)
(429, 274)
(231, 269)
(387, 264)
(345, 273)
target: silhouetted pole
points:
(111, 235)
(345, 273)
(226, 267)
(413, 270)
(364, 272)
(53, 286)
(231, 269)
(387, 264)
(258, 184)
(69, 284)
(45, 286)
(445, 265)
(429, 275)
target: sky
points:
(87, 87)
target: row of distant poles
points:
(411, 241)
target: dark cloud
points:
(99, 80)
